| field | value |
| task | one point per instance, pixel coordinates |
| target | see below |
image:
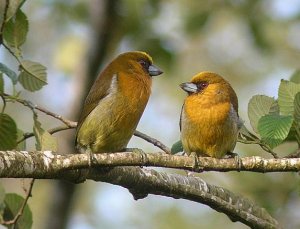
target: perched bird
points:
(116, 103)
(209, 119)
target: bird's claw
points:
(91, 158)
(196, 167)
(237, 159)
(139, 151)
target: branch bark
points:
(141, 182)
(24, 164)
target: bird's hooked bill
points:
(189, 87)
(154, 71)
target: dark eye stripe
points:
(145, 64)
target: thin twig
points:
(21, 210)
(254, 140)
(11, 52)
(154, 141)
(29, 104)
(50, 131)
(69, 123)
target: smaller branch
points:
(254, 140)
(29, 104)
(59, 128)
(21, 210)
(141, 182)
(11, 52)
(268, 149)
(154, 141)
(50, 131)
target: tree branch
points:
(23, 164)
(153, 141)
(140, 182)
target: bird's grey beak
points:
(189, 87)
(154, 71)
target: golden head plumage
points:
(116, 103)
(209, 119)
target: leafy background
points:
(253, 44)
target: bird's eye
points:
(144, 64)
(202, 85)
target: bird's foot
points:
(91, 158)
(88, 151)
(237, 159)
(196, 167)
(139, 151)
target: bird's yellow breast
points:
(209, 126)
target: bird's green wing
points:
(99, 90)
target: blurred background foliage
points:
(252, 43)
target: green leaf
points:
(10, 73)
(292, 136)
(177, 147)
(33, 75)
(44, 140)
(273, 129)
(286, 95)
(258, 106)
(274, 109)
(12, 9)
(1, 83)
(297, 108)
(296, 123)
(8, 132)
(2, 204)
(15, 30)
(13, 204)
(21, 145)
(296, 76)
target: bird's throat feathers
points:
(135, 88)
(206, 114)
(213, 104)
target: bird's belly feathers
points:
(109, 127)
(211, 131)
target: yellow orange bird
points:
(116, 103)
(209, 119)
